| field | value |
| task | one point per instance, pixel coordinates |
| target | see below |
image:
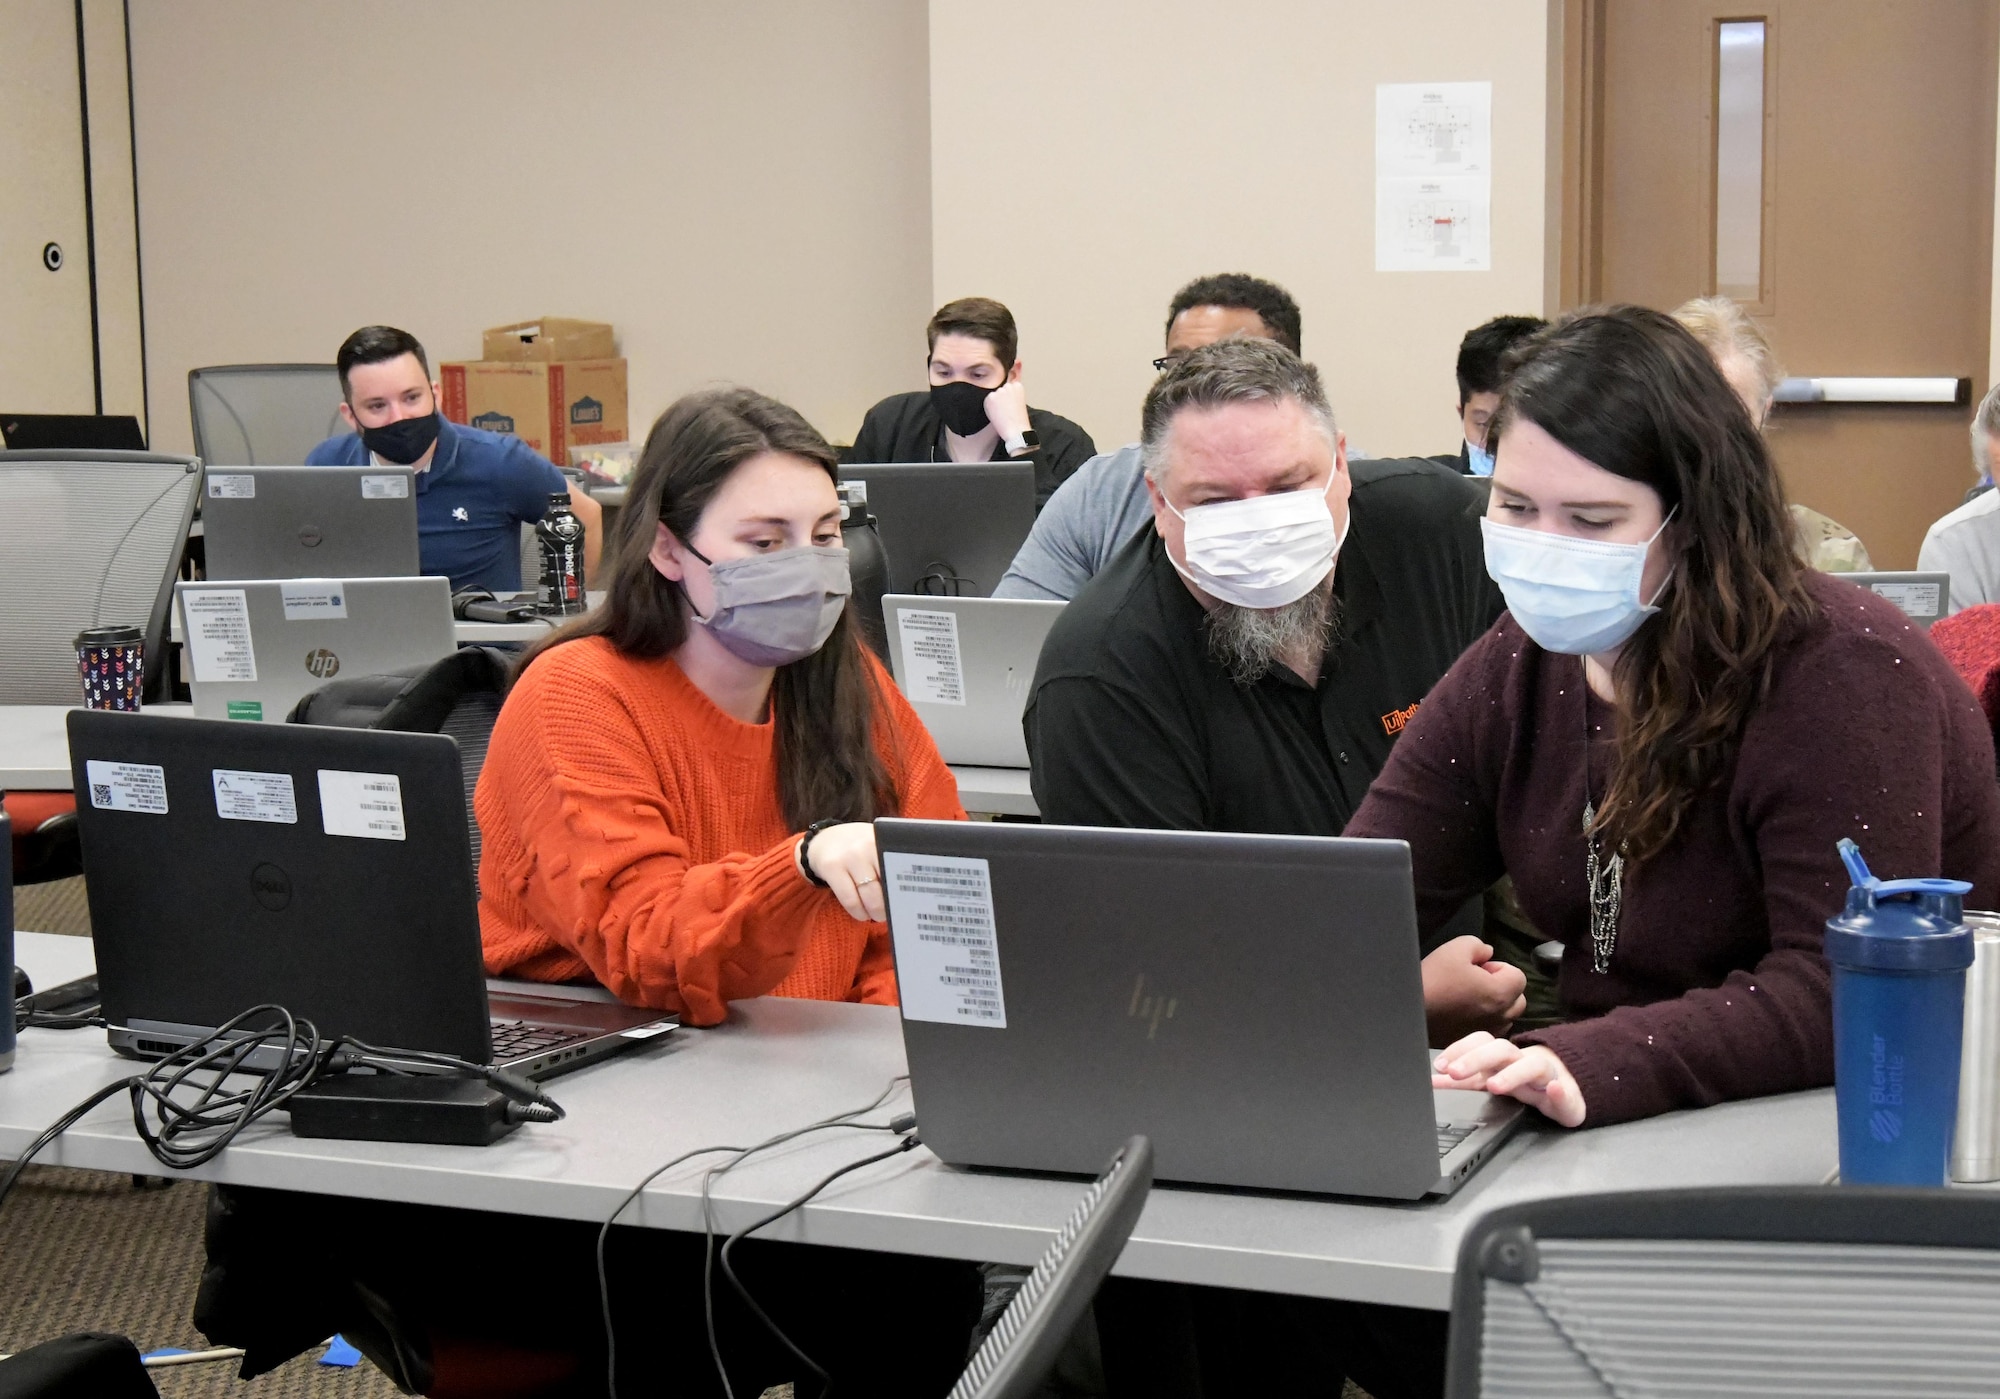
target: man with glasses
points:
(1104, 503)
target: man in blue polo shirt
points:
(475, 489)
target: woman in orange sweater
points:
(677, 796)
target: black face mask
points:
(402, 441)
(962, 406)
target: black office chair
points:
(1834, 1290)
(459, 696)
(1019, 1352)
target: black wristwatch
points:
(805, 850)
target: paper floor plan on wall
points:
(1433, 177)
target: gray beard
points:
(1248, 641)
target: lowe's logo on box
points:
(493, 422)
(586, 410)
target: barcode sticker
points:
(947, 948)
(932, 672)
(365, 804)
(232, 486)
(218, 635)
(127, 786)
(385, 487)
(255, 796)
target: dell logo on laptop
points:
(1150, 1007)
(322, 664)
(271, 886)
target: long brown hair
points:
(822, 707)
(1630, 390)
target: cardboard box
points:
(550, 340)
(551, 407)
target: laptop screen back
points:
(310, 522)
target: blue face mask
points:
(1478, 460)
(1576, 597)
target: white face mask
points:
(1261, 552)
(1576, 597)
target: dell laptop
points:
(1252, 1004)
(310, 522)
(1923, 597)
(948, 529)
(325, 870)
(966, 664)
(257, 647)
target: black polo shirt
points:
(905, 427)
(1132, 724)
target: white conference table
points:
(34, 757)
(462, 631)
(780, 1064)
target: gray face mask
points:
(773, 609)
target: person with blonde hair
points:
(1746, 360)
(1966, 542)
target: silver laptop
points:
(1924, 597)
(310, 522)
(1253, 1004)
(966, 664)
(256, 647)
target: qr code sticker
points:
(100, 794)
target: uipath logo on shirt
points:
(1396, 720)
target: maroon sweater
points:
(1717, 988)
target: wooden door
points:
(46, 355)
(1873, 254)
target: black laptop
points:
(948, 529)
(86, 432)
(326, 870)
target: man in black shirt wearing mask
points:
(976, 408)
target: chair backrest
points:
(1021, 1349)
(263, 414)
(459, 696)
(1810, 1290)
(87, 539)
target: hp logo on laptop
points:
(322, 664)
(1150, 1006)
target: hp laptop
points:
(949, 528)
(90, 432)
(310, 522)
(1253, 1004)
(325, 870)
(966, 664)
(1924, 597)
(256, 648)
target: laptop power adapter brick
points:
(432, 1108)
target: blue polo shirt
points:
(480, 489)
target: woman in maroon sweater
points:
(1666, 734)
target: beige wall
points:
(742, 189)
(1086, 160)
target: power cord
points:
(741, 1154)
(186, 1114)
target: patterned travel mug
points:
(112, 663)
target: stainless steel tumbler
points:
(1975, 1146)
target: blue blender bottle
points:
(1899, 951)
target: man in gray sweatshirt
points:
(1104, 503)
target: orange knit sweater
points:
(632, 833)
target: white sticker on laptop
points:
(947, 951)
(366, 804)
(323, 601)
(385, 487)
(218, 634)
(255, 796)
(1915, 599)
(127, 786)
(932, 673)
(232, 486)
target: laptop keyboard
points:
(1451, 1134)
(517, 1039)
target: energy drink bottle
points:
(560, 535)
